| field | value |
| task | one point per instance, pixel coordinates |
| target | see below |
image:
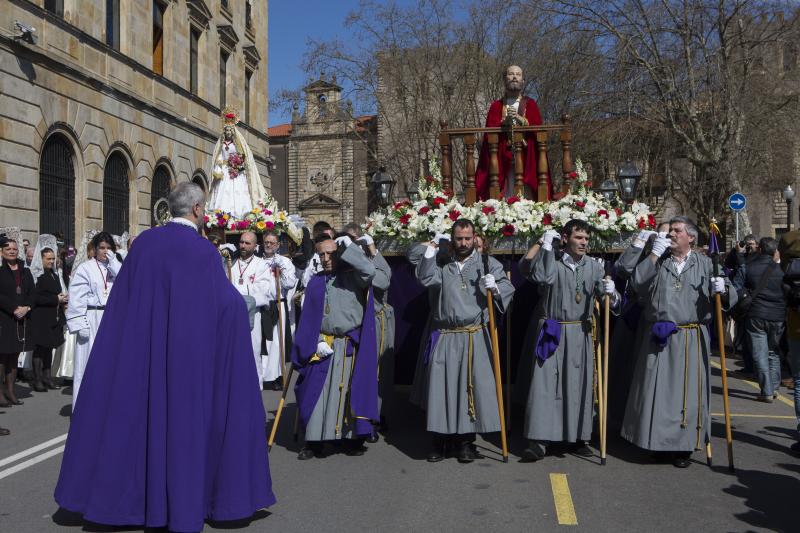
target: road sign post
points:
(737, 202)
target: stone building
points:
(324, 158)
(113, 102)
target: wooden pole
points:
(601, 408)
(281, 404)
(542, 171)
(498, 379)
(447, 160)
(277, 273)
(470, 194)
(508, 360)
(606, 355)
(724, 372)
(519, 164)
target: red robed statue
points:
(522, 111)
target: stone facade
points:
(129, 97)
(324, 158)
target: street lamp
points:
(628, 177)
(413, 191)
(382, 186)
(788, 195)
(607, 190)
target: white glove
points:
(548, 237)
(365, 239)
(718, 285)
(439, 236)
(231, 248)
(345, 240)
(323, 350)
(660, 245)
(83, 335)
(663, 233)
(608, 286)
(488, 283)
(641, 239)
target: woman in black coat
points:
(16, 300)
(47, 322)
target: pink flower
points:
(232, 225)
(267, 212)
(242, 224)
(270, 224)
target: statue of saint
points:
(236, 186)
(518, 110)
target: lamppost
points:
(607, 190)
(413, 191)
(382, 186)
(628, 177)
(788, 195)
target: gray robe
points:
(419, 385)
(458, 302)
(667, 406)
(559, 407)
(344, 310)
(384, 330)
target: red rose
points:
(439, 201)
(488, 210)
(651, 221)
(641, 223)
(424, 210)
(242, 224)
(512, 200)
(580, 205)
(230, 115)
(508, 230)
(547, 220)
(573, 175)
(405, 218)
(429, 179)
(448, 193)
(588, 184)
(618, 211)
(454, 215)
(205, 218)
(603, 213)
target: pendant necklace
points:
(679, 277)
(105, 278)
(242, 271)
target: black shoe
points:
(681, 460)
(582, 450)
(354, 447)
(465, 453)
(439, 450)
(309, 451)
(277, 384)
(533, 452)
(372, 439)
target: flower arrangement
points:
(437, 209)
(264, 216)
(235, 165)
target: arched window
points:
(115, 194)
(57, 189)
(160, 188)
(198, 179)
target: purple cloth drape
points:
(662, 331)
(548, 340)
(169, 426)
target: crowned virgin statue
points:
(236, 187)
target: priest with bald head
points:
(516, 109)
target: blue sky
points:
(291, 24)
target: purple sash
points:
(434, 338)
(662, 332)
(548, 340)
(311, 380)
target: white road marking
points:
(33, 450)
(30, 462)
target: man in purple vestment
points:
(167, 431)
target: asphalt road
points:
(392, 487)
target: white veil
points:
(80, 253)
(44, 241)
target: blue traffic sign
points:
(737, 201)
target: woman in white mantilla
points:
(236, 187)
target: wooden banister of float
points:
(541, 136)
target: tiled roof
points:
(281, 130)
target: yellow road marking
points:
(755, 385)
(787, 417)
(563, 500)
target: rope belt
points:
(684, 423)
(470, 350)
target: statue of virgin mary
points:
(236, 186)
